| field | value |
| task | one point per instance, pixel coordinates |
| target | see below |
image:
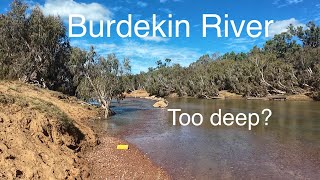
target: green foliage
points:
(102, 79)
(281, 45)
(281, 66)
(234, 56)
(34, 48)
(310, 37)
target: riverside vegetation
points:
(35, 48)
(44, 132)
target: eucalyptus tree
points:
(48, 50)
(310, 36)
(34, 47)
(102, 79)
(13, 44)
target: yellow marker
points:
(123, 147)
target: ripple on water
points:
(288, 148)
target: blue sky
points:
(144, 52)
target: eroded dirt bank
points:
(46, 135)
(42, 133)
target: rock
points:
(173, 95)
(160, 104)
(137, 94)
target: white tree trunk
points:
(104, 104)
(106, 112)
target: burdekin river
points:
(287, 148)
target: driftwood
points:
(283, 98)
(276, 91)
(256, 98)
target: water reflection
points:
(288, 148)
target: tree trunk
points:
(104, 104)
(106, 112)
(107, 109)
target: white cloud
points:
(142, 4)
(164, 1)
(316, 13)
(84, 44)
(143, 55)
(63, 8)
(165, 10)
(283, 3)
(240, 44)
(294, 1)
(281, 26)
(117, 8)
(30, 3)
(155, 39)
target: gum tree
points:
(102, 79)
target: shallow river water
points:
(287, 148)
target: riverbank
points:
(160, 102)
(106, 161)
(294, 97)
(223, 95)
(45, 134)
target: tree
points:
(13, 40)
(49, 51)
(310, 36)
(76, 65)
(102, 81)
(281, 44)
(168, 61)
(34, 48)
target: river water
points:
(287, 148)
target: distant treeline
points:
(289, 63)
(35, 48)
